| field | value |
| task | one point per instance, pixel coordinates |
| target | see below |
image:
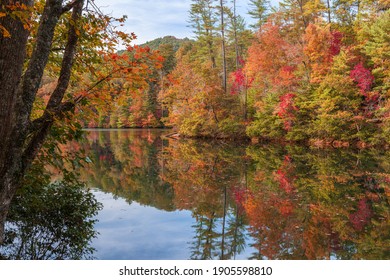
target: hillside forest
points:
(307, 71)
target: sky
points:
(151, 19)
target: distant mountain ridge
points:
(166, 40)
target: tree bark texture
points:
(20, 138)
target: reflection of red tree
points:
(362, 216)
(240, 195)
(273, 223)
(137, 154)
(316, 237)
(284, 175)
(286, 207)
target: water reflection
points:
(54, 221)
(319, 204)
(251, 202)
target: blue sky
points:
(150, 19)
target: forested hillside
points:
(156, 44)
(306, 71)
(138, 107)
(314, 71)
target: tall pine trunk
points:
(235, 36)
(224, 70)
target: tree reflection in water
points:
(282, 202)
(55, 221)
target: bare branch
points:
(70, 6)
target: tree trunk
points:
(235, 36)
(329, 11)
(21, 139)
(301, 3)
(12, 57)
(224, 70)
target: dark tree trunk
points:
(223, 49)
(329, 11)
(235, 36)
(21, 139)
(12, 57)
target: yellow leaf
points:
(5, 32)
(2, 14)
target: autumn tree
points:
(197, 103)
(58, 27)
(375, 45)
(271, 66)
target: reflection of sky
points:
(135, 232)
(140, 232)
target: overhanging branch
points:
(67, 62)
(39, 128)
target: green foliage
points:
(156, 44)
(53, 221)
(231, 128)
(376, 45)
(259, 11)
(267, 123)
(53, 213)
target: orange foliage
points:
(272, 60)
(320, 47)
(123, 76)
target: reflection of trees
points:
(125, 163)
(325, 204)
(212, 240)
(204, 245)
(235, 234)
(51, 222)
(293, 203)
(139, 166)
(203, 176)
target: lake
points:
(164, 198)
(195, 199)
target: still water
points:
(163, 198)
(191, 199)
